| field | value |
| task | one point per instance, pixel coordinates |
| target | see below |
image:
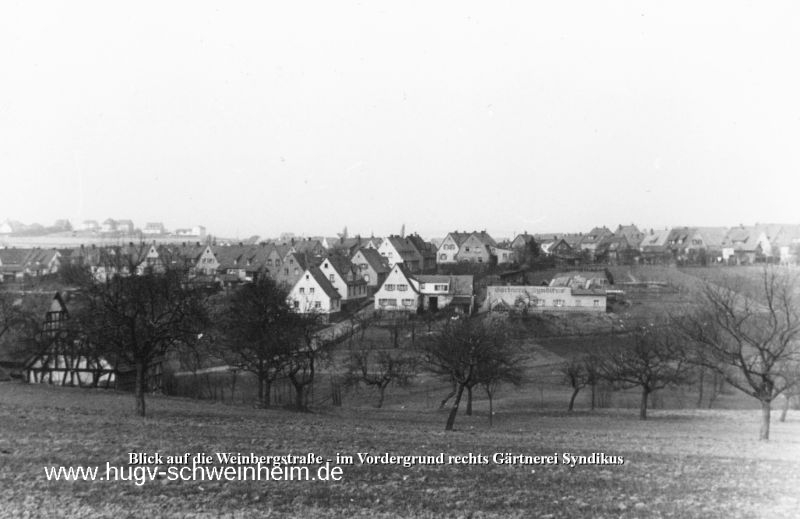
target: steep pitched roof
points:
(655, 241)
(324, 283)
(484, 238)
(378, 263)
(459, 237)
(406, 249)
(596, 235)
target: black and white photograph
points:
(458, 259)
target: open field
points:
(679, 464)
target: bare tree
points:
(755, 332)
(576, 376)
(256, 330)
(308, 349)
(651, 360)
(505, 367)
(379, 368)
(459, 349)
(139, 318)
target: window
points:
(422, 286)
(440, 288)
(402, 288)
(466, 249)
(317, 304)
(443, 256)
(286, 271)
(390, 288)
(408, 302)
(302, 290)
(296, 304)
(333, 278)
(366, 278)
(311, 290)
(596, 302)
(296, 271)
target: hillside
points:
(679, 464)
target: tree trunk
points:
(643, 404)
(381, 391)
(299, 403)
(261, 390)
(594, 395)
(700, 388)
(787, 399)
(469, 401)
(715, 388)
(572, 399)
(451, 419)
(141, 372)
(448, 397)
(766, 408)
(491, 408)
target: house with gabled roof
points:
(372, 267)
(615, 250)
(207, 262)
(405, 291)
(398, 292)
(274, 259)
(448, 250)
(153, 228)
(633, 236)
(293, 266)
(476, 248)
(521, 241)
(62, 360)
(746, 245)
(314, 293)
(397, 249)
(593, 239)
(345, 278)
(654, 247)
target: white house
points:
(398, 292)
(314, 293)
(207, 263)
(372, 267)
(544, 299)
(344, 277)
(437, 291)
(448, 249)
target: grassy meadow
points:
(680, 463)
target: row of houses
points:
(701, 245)
(17, 264)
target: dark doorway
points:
(433, 304)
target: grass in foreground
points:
(678, 464)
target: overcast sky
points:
(309, 116)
